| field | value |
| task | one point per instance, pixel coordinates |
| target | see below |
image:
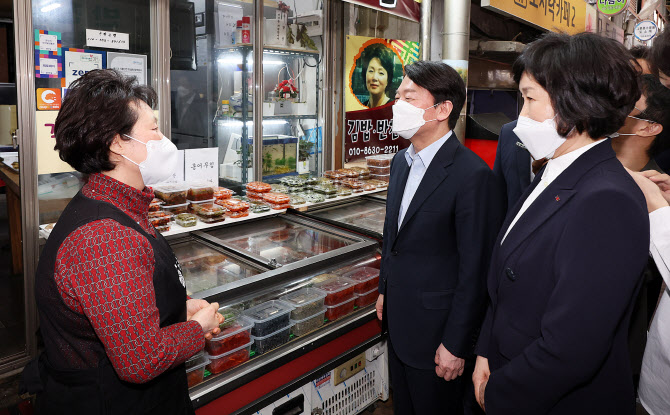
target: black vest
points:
(99, 390)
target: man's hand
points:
(193, 306)
(448, 366)
(652, 184)
(380, 306)
(480, 378)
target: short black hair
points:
(660, 52)
(443, 83)
(96, 108)
(386, 57)
(640, 52)
(658, 111)
(591, 80)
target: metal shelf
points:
(275, 50)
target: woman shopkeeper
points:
(114, 316)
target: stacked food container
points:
(380, 166)
(232, 346)
(271, 325)
(308, 309)
(340, 297)
(367, 282)
(195, 368)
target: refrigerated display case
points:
(250, 268)
(363, 215)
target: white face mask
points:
(617, 134)
(161, 162)
(540, 138)
(407, 119)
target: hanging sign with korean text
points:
(646, 30)
(409, 9)
(201, 165)
(567, 16)
(106, 39)
(612, 7)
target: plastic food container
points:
(352, 183)
(328, 190)
(309, 323)
(381, 177)
(233, 205)
(192, 203)
(365, 299)
(276, 198)
(186, 220)
(237, 215)
(279, 206)
(229, 359)
(208, 210)
(296, 200)
(163, 228)
(343, 191)
(268, 317)
(160, 218)
(306, 302)
(200, 192)
(215, 219)
(338, 290)
(349, 173)
(195, 369)
(313, 197)
(230, 316)
(366, 279)
(333, 312)
(254, 196)
(380, 160)
(155, 205)
(261, 208)
(369, 187)
(271, 341)
(258, 187)
(377, 183)
(171, 194)
(292, 181)
(279, 188)
(230, 338)
(334, 174)
(362, 171)
(176, 209)
(222, 193)
(381, 171)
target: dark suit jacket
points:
(561, 288)
(512, 164)
(433, 269)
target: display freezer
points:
(364, 215)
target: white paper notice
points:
(78, 63)
(200, 165)
(48, 66)
(129, 65)
(178, 176)
(49, 42)
(109, 40)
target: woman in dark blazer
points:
(568, 260)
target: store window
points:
(72, 38)
(212, 90)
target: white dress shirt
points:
(654, 386)
(553, 169)
(418, 164)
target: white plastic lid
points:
(197, 361)
(245, 324)
(367, 293)
(254, 338)
(380, 157)
(335, 285)
(362, 274)
(228, 353)
(171, 187)
(341, 304)
(197, 202)
(323, 311)
(303, 297)
(267, 311)
(174, 206)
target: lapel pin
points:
(520, 144)
(557, 198)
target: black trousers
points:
(422, 392)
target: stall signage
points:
(567, 16)
(369, 99)
(201, 165)
(646, 30)
(607, 28)
(129, 65)
(48, 99)
(48, 160)
(409, 9)
(612, 7)
(106, 39)
(80, 61)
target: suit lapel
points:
(552, 199)
(523, 166)
(396, 190)
(434, 176)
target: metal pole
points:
(455, 44)
(160, 62)
(332, 74)
(258, 91)
(426, 22)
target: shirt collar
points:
(133, 202)
(556, 166)
(427, 154)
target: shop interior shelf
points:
(275, 50)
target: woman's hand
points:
(193, 306)
(480, 378)
(655, 187)
(209, 319)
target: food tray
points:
(349, 173)
(272, 341)
(380, 171)
(171, 194)
(380, 177)
(200, 192)
(260, 208)
(343, 191)
(352, 183)
(237, 215)
(163, 228)
(305, 302)
(155, 205)
(369, 187)
(279, 206)
(366, 279)
(254, 196)
(336, 311)
(292, 181)
(214, 219)
(176, 209)
(230, 338)
(208, 210)
(268, 317)
(276, 198)
(186, 220)
(160, 218)
(258, 187)
(195, 369)
(296, 200)
(222, 193)
(233, 205)
(230, 315)
(378, 183)
(279, 188)
(229, 359)
(380, 160)
(362, 171)
(308, 324)
(326, 189)
(338, 290)
(334, 174)
(365, 299)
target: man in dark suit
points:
(512, 164)
(444, 208)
